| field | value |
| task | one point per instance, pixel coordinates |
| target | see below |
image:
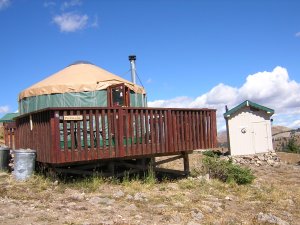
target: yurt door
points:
(118, 95)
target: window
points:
(118, 95)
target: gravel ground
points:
(273, 198)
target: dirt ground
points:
(275, 195)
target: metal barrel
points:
(4, 158)
(24, 163)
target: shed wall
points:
(249, 132)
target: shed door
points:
(260, 136)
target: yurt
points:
(84, 117)
(81, 84)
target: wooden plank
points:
(46, 135)
(85, 147)
(182, 140)
(167, 125)
(72, 130)
(174, 131)
(116, 135)
(188, 129)
(193, 126)
(209, 129)
(127, 131)
(109, 123)
(105, 150)
(132, 128)
(157, 163)
(120, 131)
(197, 130)
(186, 164)
(137, 132)
(97, 133)
(78, 127)
(40, 132)
(91, 126)
(214, 121)
(147, 130)
(56, 138)
(156, 123)
(65, 134)
(204, 130)
(49, 146)
(152, 132)
(142, 126)
(201, 131)
(161, 132)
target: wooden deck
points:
(71, 135)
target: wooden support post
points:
(111, 168)
(186, 163)
(152, 164)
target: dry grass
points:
(276, 191)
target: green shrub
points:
(292, 146)
(210, 153)
(226, 171)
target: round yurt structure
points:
(84, 117)
(81, 84)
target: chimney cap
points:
(132, 57)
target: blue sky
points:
(196, 53)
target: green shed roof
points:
(9, 117)
(248, 103)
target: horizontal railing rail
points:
(66, 135)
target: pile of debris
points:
(269, 158)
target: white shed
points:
(249, 129)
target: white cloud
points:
(297, 34)
(49, 4)
(70, 22)
(4, 109)
(179, 102)
(71, 3)
(4, 4)
(273, 89)
(295, 124)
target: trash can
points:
(24, 163)
(4, 158)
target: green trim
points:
(248, 103)
(9, 117)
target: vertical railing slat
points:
(97, 133)
(91, 126)
(85, 147)
(152, 132)
(147, 136)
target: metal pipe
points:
(132, 59)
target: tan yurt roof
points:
(78, 77)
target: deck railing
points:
(9, 134)
(67, 135)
